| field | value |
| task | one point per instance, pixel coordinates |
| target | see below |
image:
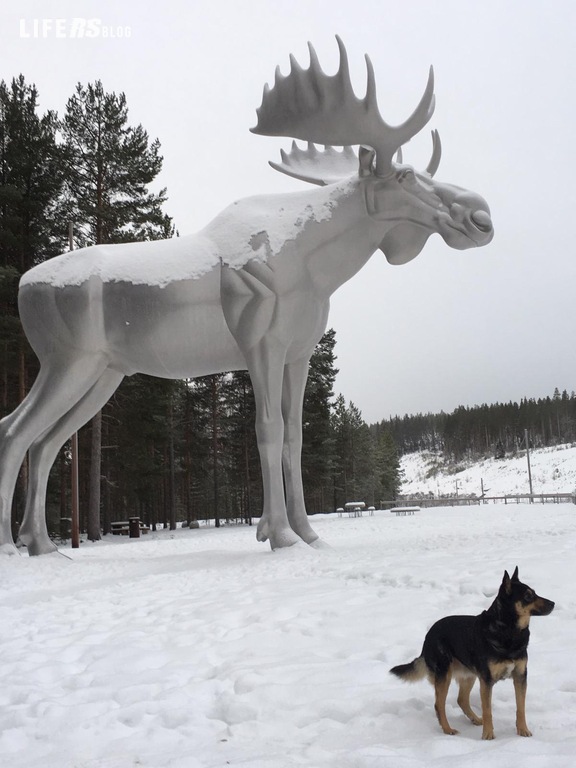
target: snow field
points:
(203, 649)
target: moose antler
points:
(310, 105)
(328, 165)
(436, 153)
(317, 166)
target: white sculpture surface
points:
(250, 291)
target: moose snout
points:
(471, 214)
(479, 226)
(481, 220)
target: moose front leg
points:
(295, 376)
(266, 366)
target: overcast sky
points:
(450, 328)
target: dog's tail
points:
(412, 672)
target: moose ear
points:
(404, 242)
(366, 161)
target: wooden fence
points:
(466, 501)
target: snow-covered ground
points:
(553, 471)
(204, 649)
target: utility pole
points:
(528, 460)
(75, 527)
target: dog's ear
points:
(515, 575)
(506, 583)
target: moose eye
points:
(406, 174)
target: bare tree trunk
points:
(214, 384)
(106, 516)
(18, 506)
(93, 523)
(95, 479)
(171, 467)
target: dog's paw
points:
(488, 736)
(476, 720)
(523, 731)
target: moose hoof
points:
(262, 531)
(308, 535)
(8, 550)
(285, 537)
(35, 543)
(41, 548)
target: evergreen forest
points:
(495, 430)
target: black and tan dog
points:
(491, 647)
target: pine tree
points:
(388, 467)
(210, 392)
(341, 436)
(317, 437)
(30, 183)
(193, 424)
(243, 459)
(109, 166)
(136, 425)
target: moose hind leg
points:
(59, 385)
(33, 531)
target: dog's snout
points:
(544, 606)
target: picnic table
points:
(403, 511)
(132, 527)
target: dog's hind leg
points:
(441, 686)
(466, 685)
(520, 678)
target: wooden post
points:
(528, 460)
(75, 532)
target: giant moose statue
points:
(249, 291)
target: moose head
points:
(323, 109)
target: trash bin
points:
(134, 527)
(65, 528)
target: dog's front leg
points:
(486, 699)
(520, 678)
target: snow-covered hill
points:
(553, 471)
